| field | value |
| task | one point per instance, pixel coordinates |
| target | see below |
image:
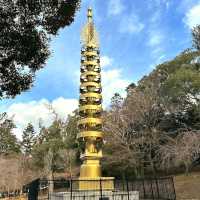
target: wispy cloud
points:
(34, 111)
(115, 7)
(131, 24)
(160, 4)
(155, 35)
(106, 61)
(113, 82)
(128, 23)
(192, 17)
(155, 38)
(156, 42)
(167, 3)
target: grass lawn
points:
(188, 187)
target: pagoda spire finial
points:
(89, 35)
(89, 15)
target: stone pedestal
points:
(91, 195)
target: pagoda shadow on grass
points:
(90, 108)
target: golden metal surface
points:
(91, 94)
(89, 14)
(90, 136)
(90, 73)
(91, 168)
(91, 107)
(91, 53)
(90, 120)
(90, 63)
(89, 34)
(86, 84)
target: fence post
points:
(143, 187)
(48, 190)
(127, 188)
(123, 184)
(33, 190)
(172, 179)
(100, 188)
(151, 180)
(71, 189)
(158, 191)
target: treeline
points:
(48, 153)
(156, 128)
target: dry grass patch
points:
(188, 187)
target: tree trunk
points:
(186, 169)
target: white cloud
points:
(113, 82)
(106, 61)
(192, 17)
(166, 3)
(155, 18)
(64, 106)
(156, 42)
(34, 111)
(155, 38)
(115, 7)
(130, 24)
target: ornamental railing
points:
(161, 188)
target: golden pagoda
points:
(90, 108)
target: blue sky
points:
(135, 36)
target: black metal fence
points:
(153, 188)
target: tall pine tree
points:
(8, 141)
(28, 139)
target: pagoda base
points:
(95, 195)
(96, 183)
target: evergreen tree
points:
(28, 139)
(56, 149)
(25, 31)
(116, 101)
(196, 37)
(8, 141)
(51, 142)
(71, 130)
(182, 88)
